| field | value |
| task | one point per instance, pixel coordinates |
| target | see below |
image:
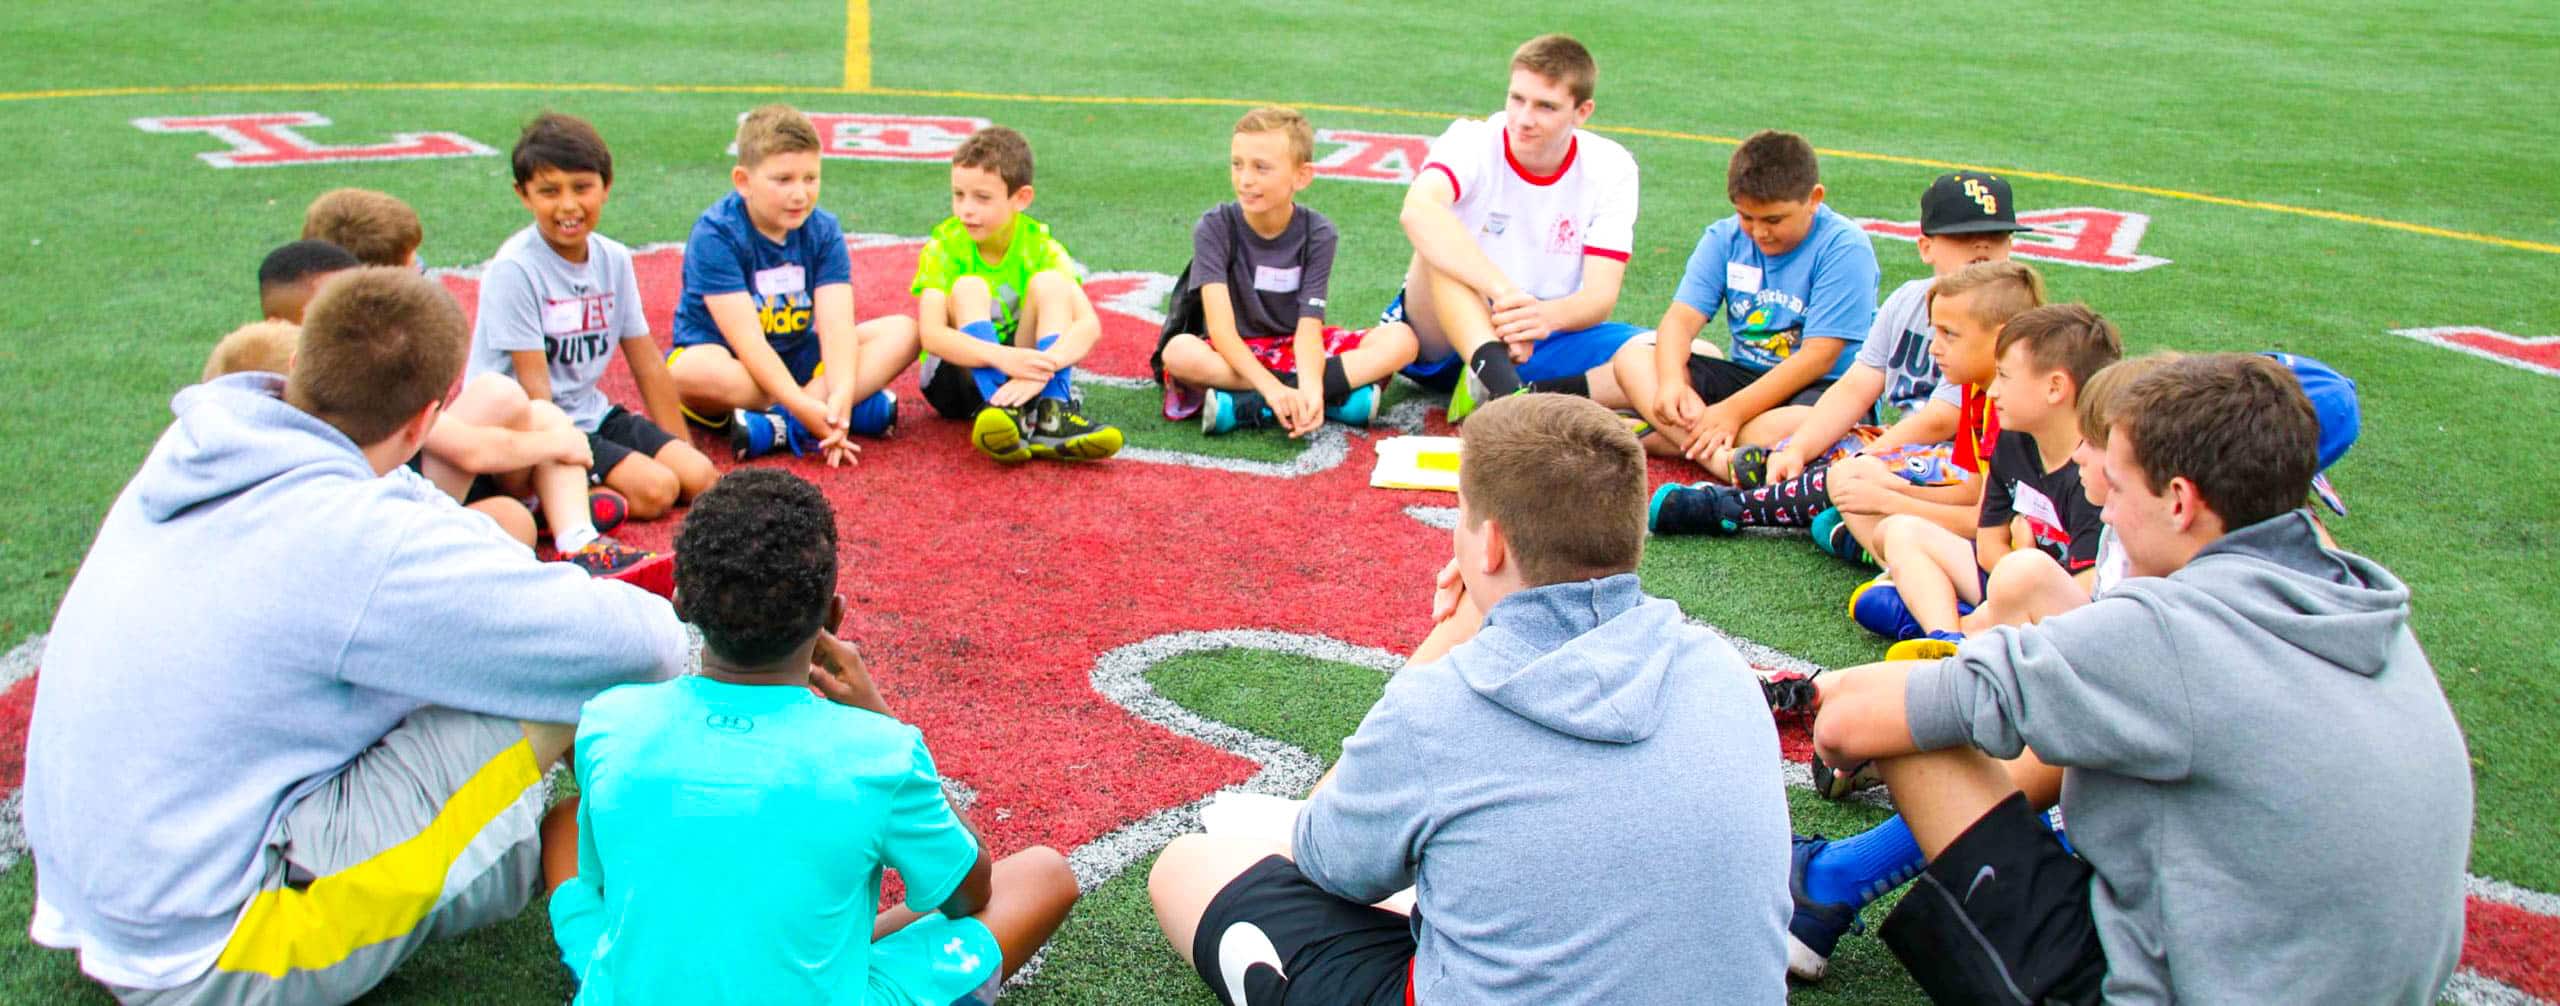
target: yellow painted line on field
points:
(860, 64)
(857, 44)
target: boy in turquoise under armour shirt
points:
(732, 827)
(1003, 315)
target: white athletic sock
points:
(572, 539)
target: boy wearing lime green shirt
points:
(1003, 317)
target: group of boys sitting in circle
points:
(2150, 733)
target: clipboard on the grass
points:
(1416, 463)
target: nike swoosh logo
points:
(1979, 878)
(1241, 947)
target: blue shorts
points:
(801, 357)
(936, 961)
(1562, 354)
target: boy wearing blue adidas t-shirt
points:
(1798, 285)
(732, 825)
(765, 343)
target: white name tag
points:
(1273, 279)
(1740, 278)
(780, 281)
(564, 317)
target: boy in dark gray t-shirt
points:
(1249, 321)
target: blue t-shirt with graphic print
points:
(1823, 288)
(725, 254)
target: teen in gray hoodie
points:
(1585, 795)
(262, 607)
(2260, 770)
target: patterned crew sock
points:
(1862, 867)
(1791, 503)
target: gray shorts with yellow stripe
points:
(431, 833)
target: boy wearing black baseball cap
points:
(1965, 217)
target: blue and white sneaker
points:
(1223, 411)
(1698, 508)
(755, 434)
(875, 416)
(1814, 931)
(1359, 409)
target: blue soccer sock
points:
(983, 331)
(1862, 867)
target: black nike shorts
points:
(2001, 916)
(1287, 940)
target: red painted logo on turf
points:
(1390, 158)
(2540, 354)
(2078, 235)
(271, 139)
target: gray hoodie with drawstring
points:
(1586, 797)
(2259, 764)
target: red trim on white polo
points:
(1455, 193)
(1571, 147)
(1607, 253)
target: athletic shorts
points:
(802, 360)
(1715, 379)
(1561, 354)
(1927, 464)
(937, 960)
(2001, 916)
(1276, 352)
(1272, 935)
(482, 486)
(432, 832)
(621, 434)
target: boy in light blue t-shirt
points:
(733, 825)
(1797, 283)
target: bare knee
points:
(491, 399)
(1040, 870)
(511, 517)
(651, 487)
(2023, 573)
(544, 416)
(1901, 531)
(1188, 357)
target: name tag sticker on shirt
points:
(1273, 279)
(1740, 278)
(564, 317)
(780, 281)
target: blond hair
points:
(1274, 118)
(376, 228)
(2002, 290)
(1564, 476)
(774, 129)
(259, 345)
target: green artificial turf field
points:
(2315, 177)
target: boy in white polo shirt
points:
(1521, 226)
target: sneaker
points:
(1831, 534)
(1930, 646)
(1061, 433)
(1787, 691)
(1359, 409)
(756, 434)
(1750, 467)
(1815, 929)
(606, 509)
(1877, 607)
(875, 416)
(1223, 411)
(997, 433)
(1697, 508)
(1832, 784)
(607, 559)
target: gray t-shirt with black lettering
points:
(1272, 282)
(531, 298)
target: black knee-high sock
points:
(1792, 503)
(1578, 385)
(1337, 384)
(1491, 364)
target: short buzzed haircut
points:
(287, 275)
(774, 129)
(2098, 397)
(2235, 424)
(1562, 61)
(2003, 290)
(1564, 477)
(265, 346)
(378, 344)
(1273, 118)
(1000, 151)
(562, 143)
(377, 228)
(1772, 167)
(759, 564)
(2067, 337)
